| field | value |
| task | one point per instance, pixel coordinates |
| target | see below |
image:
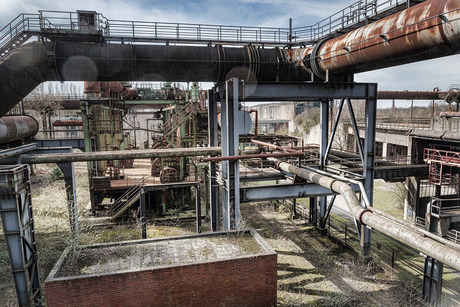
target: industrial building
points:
(177, 146)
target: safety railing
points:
(185, 32)
(398, 123)
(356, 14)
(453, 235)
(49, 22)
(437, 209)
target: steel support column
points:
(198, 208)
(70, 188)
(323, 149)
(230, 169)
(432, 281)
(18, 228)
(368, 166)
(213, 142)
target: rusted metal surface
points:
(425, 31)
(272, 146)
(67, 123)
(120, 155)
(92, 87)
(411, 237)
(255, 156)
(412, 95)
(14, 128)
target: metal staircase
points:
(178, 119)
(125, 201)
(16, 33)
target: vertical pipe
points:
(213, 141)
(198, 208)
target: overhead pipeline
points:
(425, 31)
(16, 128)
(31, 64)
(412, 238)
(428, 30)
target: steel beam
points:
(284, 191)
(18, 227)
(260, 91)
(11, 152)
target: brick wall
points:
(247, 281)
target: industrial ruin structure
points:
(196, 144)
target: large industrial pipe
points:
(15, 128)
(403, 234)
(425, 31)
(117, 155)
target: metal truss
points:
(18, 227)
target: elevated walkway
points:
(94, 27)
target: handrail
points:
(145, 31)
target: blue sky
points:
(273, 13)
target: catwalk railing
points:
(48, 24)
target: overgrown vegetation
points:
(308, 120)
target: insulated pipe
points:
(428, 30)
(15, 128)
(425, 31)
(432, 248)
(29, 65)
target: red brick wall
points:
(236, 282)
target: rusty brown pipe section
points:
(67, 123)
(272, 146)
(425, 31)
(254, 156)
(412, 238)
(15, 128)
(412, 95)
(119, 155)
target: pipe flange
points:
(361, 213)
(314, 55)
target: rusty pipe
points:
(425, 31)
(255, 156)
(412, 95)
(272, 145)
(116, 155)
(67, 123)
(15, 128)
(412, 238)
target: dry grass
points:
(314, 270)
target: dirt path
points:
(313, 270)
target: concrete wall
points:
(285, 110)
